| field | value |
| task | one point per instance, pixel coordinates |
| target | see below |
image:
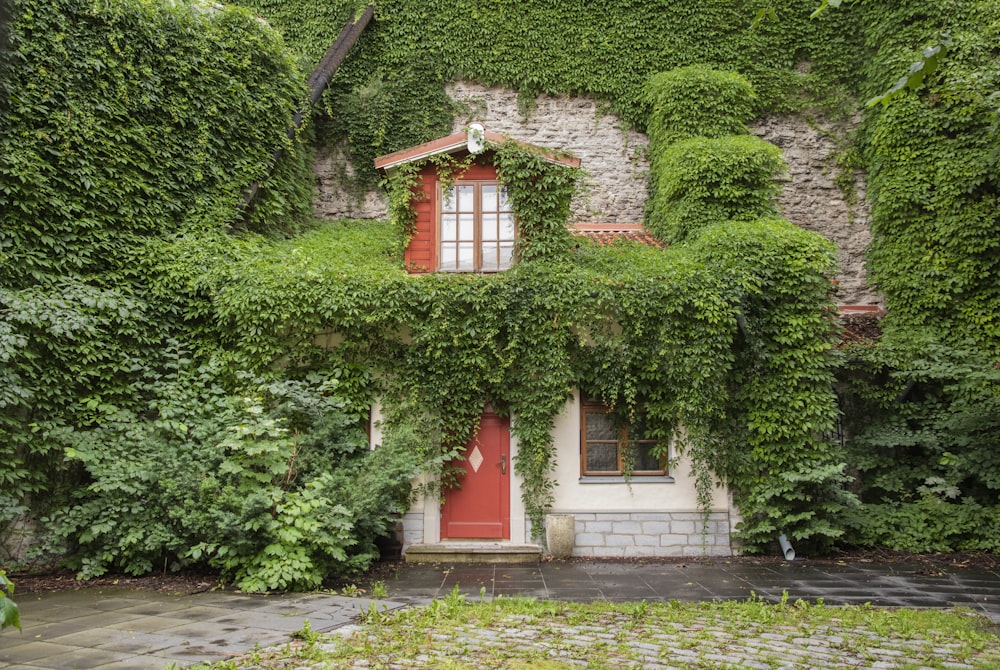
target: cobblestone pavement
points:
(617, 642)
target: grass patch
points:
(522, 633)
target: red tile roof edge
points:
(457, 141)
(607, 227)
(606, 236)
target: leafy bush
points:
(9, 614)
(927, 524)
(923, 418)
(701, 181)
(130, 123)
(264, 488)
(698, 101)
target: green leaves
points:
(258, 485)
(919, 71)
(9, 613)
(932, 157)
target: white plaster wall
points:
(572, 495)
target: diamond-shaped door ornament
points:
(475, 459)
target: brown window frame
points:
(622, 442)
(477, 241)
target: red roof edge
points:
(860, 309)
(606, 227)
(458, 141)
(605, 234)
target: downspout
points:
(786, 547)
(317, 83)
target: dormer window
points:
(463, 220)
(476, 227)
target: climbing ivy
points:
(701, 181)
(932, 156)
(135, 126)
(390, 92)
(640, 328)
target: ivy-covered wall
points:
(932, 157)
(148, 325)
(391, 92)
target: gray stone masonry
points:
(613, 156)
(651, 534)
(812, 200)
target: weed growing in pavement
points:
(352, 591)
(306, 633)
(379, 589)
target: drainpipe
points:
(786, 547)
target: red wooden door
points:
(480, 509)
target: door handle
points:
(503, 464)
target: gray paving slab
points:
(120, 629)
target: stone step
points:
(473, 552)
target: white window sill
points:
(618, 479)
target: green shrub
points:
(263, 488)
(921, 410)
(927, 524)
(698, 101)
(701, 181)
(9, 613)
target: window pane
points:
(448, 200)
(448, 227)
(466, 256)
(491, 261)
(504, 202)
(602, 457)
(465, 227)
(489, 226)
(507, 226)
(506, 256)
(643, 457)
(448, 257)
(466, 198)
(638, 430)
(489, 195)
(600, 426)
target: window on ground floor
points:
(606, 445)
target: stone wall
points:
(630, 534)
(334, 200)
(614, 159)
(811, 199)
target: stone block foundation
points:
(625, 534)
